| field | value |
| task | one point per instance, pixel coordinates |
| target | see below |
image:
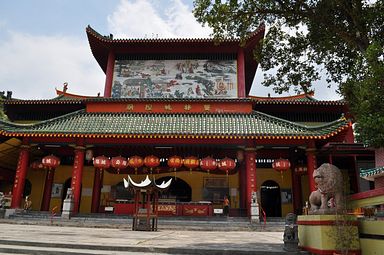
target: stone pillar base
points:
(329, 234)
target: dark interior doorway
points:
(27, 188)
(67, 184)
(179, 189)
(271, 198)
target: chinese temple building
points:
(175, 108)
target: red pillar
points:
(21, 173)
(109, 74)
(96, 192)
(311, 165)
(47, 189)
(240, 73)
(243, 186)
(296, 189)
(250, 165)
(77, 175)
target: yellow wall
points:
(37, 179)
(284, 181)
(324, 237)
(378, 200)
(195, 180)
(371, 246)
(63, 173)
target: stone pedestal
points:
(329, 234)
(68, 205)
(254, 209)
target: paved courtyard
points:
(39, 239)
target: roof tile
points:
(253, 124)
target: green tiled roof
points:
(255, 124)
(371, 173)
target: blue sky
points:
(43, 42)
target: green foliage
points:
(3, 116)
(342, 40)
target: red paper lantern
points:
(281, 165)
(135, 162)
(175, 162)
(37, 164)
(151, 162)
(208, 164)
(191, 162)
(119, 163)
(226, 164)
(50, 162)
(101, 162)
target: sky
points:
(43, 42)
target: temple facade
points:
(169, 101)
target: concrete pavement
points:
(42, 239)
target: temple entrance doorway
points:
(27, 188)
(271, 198)
(179, 189)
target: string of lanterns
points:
(175, 162)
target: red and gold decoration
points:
(208, 164)
(101, 162)
(226, 164)
(281, 165)
(151, 162)
(135, 162)
(119, 163)
(50, 162)
(191, 163)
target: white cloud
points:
(140, 19)
(32, 66)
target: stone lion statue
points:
(328, 198)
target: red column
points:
(97, 183)
(297, 203)
(109, 74)
(250, 164)
(240, 73)
(21, 173)
(243, 185)
(77, 175)
(47, 190)
(311, 165)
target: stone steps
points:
(165, 223)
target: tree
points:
(342, 40)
